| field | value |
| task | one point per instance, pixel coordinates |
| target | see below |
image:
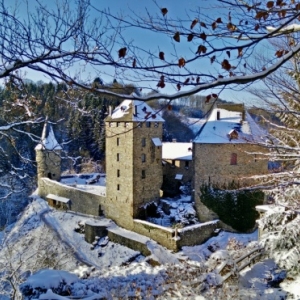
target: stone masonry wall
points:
(48, 164)
(213, 166)
(163, 235)
(133, 169)
(187, 236)
(80, 201)
(170, 184)
(119, 172)
(197, 234)
(147, 165)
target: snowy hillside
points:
(45, 239)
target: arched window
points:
(233, 159)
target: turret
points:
(48, 155)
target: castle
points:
(139, 165)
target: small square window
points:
(186, 164)
(156, 124)
(143, 174)
(148, 124)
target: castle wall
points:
(162, 235)
(197, 234)
(80, 201)
(214, 164)
(175, 239)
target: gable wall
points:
(212, 165)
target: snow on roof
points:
(48, 140)
(136, 111)
(58, 198)
(156, 141)
(178, 176)
(222, 122)
(179, 151)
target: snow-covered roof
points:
(156, 141)
(178, 176)
(222, 122)
(58, 198)
(134, 111)
(48, 140)
(177, 151)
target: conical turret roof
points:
(48, 140)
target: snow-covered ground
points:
(94, 183)
(43, 238)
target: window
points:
(148, 124)
(186, 164)
(143, 157)
(118, 173)
(156, 124)
(255, 158)
(233, 160)
(173, 164)
(118, 187)
(143, 174)
(118, 123)
(143, 142)
(118, 141)
(118, 156)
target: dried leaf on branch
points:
(164, 11)
(176, 37)
(122, 52)
(181, 62)
(194, 23)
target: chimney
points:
(174, 140)
(218, 115)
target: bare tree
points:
(51, 41)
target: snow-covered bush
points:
(280, 227)
(234, 207)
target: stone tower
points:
(133, 160)
(48, 155)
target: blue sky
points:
(147, 40)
